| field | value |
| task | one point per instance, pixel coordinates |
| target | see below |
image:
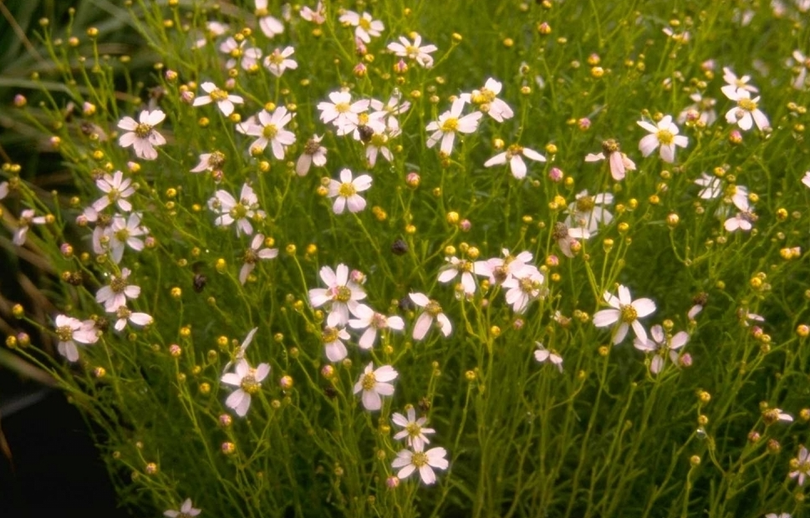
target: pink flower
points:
(665, 135)
(625, 312)
(433, 312)
(345, 192)
(141, 135)
(375, 383)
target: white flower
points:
(318, 16)
(279, 61)
(375, 383)
(568, 238)
(425, 462)
(230, 210)
(186, 511)
(69, 331)
(500, 269)
(665, 135)
(249, 381)
(586, 212)
(617, 161)
(342, 111)
(333, 338)
(661, 345)
(345, 192)
(388, 112)
(245, 57)
(625, 313)
(703, 109)
(734, 83)
(414, 51)
(125, 232)
(803, 64)
(366, 27)
(372, 322)
(124, 314)
(524, 287)
(141, 135)
(802, 463)
(746, 113)
(543, 355)
(458, 267)
(487, 101)
(806, 179)
(269, 25)
(450, 123)
(740, 221)
(378, 144)
(224, 100)
(738, 195)
(27, 219)
(239, 354)
(513, 155)
(209, 162)
(433, 311)
(253, 254)
(212, 31)
(712, 186)
(117, 292)
(270, 130)
(314, 153)
(412, 428)
(117, 189)
(341, 293)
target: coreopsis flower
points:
(318, 16)
(414, 51)
(254, 254)
(345, 192)
(486, 99)
(117, 292)
(413, 429)
(372, 322)
(27, 218)
(625, 313)
(665, 135)
(803, 64)
(514, 156)
(374, 383)
(224, 100)
(365, 26)
(333, 338)
(802, 466)
(806, 179)
(617, 161)
(314, 153)
(701, 111)
(212, 31)
(588, 212)
(543, 355)
(409, 461)
(70, 330)
(449, 123)
(738, 195)
(239, 354)
(524, 287)
(230, 210)
(187, 510)
(269, 25)
(746, 113)
(743, 220)
(456, 267)
(125, 233)
(240, 53)
(269, 130)
(117, 189)
(210, 162)
(249, 381)
(734, 83)
(568, 239)
(141, 135)
(774, 415)
(499, 269)
(341, 293)
(387, 112)
(342, 111)
(432, 313)
(279, 61)
(712, 186)
(123, 314)
(661, 345)
(378, 145)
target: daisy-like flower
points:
(413, 429)
(117, 292)
(141, 135)
(712, 186)
(318, 16)
(486, 99)
(741, 221)
(702, 111)
(665, 135)
(366, 27)
(70, 330)
(240, 54)
(433, 312)
(543, 355)
(333, 338)
(734, 83)
(224, 100)
(568, 239)
(345, 192)
(342, 111)
(341, 292)
(588, 212)
(514, 156)
(230, 210)
(279, 61)
(456, 267)
(625, 312)
(124, 314)
(801, 466)
(187, 510)
(210, 162)
(803, 65)
(617, 161)
(117, 190)
(249, 381)
(738, 195)
(378, 145)
(269, 25)
(125, 233)
(660, 346)
(27, 218)
(374, 383)
(314, 153)
(372, 322)
(774, 415)
(449, 123)
(269, 130)
(414, 51)
(524, 287)
(254, 254)
(409, 461)
(239, 354)
(387, 112)
(499, 269)
(746, 113)
(806, 179)
(212, 31)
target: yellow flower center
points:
(122, 235)
(238, 212)
(312, 146)
(365, 24)
(216, 159)
(64, 333)
(118, 284)
(369, 381)
(276, 58)
(342, 294)
(347, 190)
(665, 137)
(379, 140)
(261, 13)
(342, 107)
(143, 130)
(250, 256)
(450, 125)
(270, 131)
(329, 335)
(629, 314)
(413, 429)
(419, 459)
(747, 105)
(585, 204)
(610, 146)
(123, 312)
(433, 308)
(218, 95)
(527, 285)
(412, 51)
(514, 150)
(250, 385)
